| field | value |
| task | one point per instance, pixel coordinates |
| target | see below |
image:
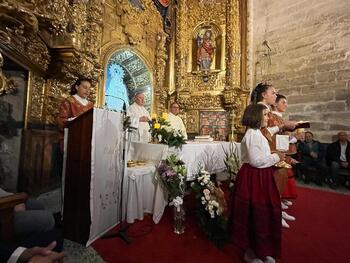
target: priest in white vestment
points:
(139, 119)
(175, 121)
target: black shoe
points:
(333, 186)
(318, 183)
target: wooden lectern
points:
(76, 212)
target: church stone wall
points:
(306, 58)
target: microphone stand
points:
(122, 232)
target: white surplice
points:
(177, 124)
(141, 134)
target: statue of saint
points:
(205, 51)
(116, 91)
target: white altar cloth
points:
(139, 190)
(209, 155)
(142, 193)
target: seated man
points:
(338, 158)
(175, 121)
(312, 154)
(139, 117)
(31, 217)
(42, 247)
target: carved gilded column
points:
(161, 57)
(36, 93)
(180, 46)
(235, 94)
(231, 82)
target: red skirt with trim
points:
(255, 220)
(290, 191)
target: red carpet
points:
(321, 234)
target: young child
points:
(256, 207)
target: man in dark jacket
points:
(338, 157)
(312, 153)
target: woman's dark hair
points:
(280, 97)
(253, 115)
(257, 93)
(73, 90)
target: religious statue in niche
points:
(205, 49)
(116, 93)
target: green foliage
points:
(160, 128)
(232, 162)
(210, 209)
(172, 174)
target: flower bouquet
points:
(172, 174)
(232, 163)
(162, 132)
(211, 208)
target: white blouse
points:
(256, 151)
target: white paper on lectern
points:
(282, 142)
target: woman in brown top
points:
(74, 105)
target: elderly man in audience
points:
(139, 119)
(338, 158)
(312, 153)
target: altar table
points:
(142, 184)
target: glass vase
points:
(179, 220)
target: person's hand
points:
(20, 207)
(36, 252)
(344, 164)
(54, 257)
(282, 156)
(293, 161)
(143, 119)
(314, 155)
(289, 125)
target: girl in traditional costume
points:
(256, 207)
(266, 95)
(288, 190)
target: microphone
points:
(116, 97)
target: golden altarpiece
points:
(54, 42)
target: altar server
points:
(175, 121)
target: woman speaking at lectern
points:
(74, 105)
